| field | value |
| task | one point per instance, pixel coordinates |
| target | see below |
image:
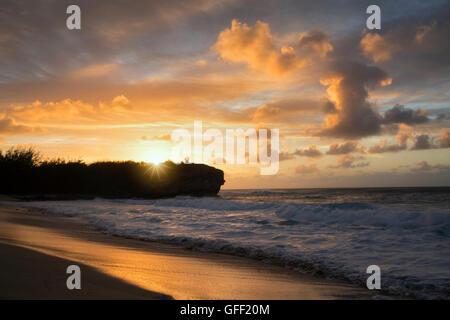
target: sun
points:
(154, 153)
(156, 158)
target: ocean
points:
(334, 233)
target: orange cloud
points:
(121, 102)
(67, 110)
(345, 148)
(402, 40)
(165, 137)
(256, 47)
(349, 161)
(384, 147)
(444, 139)
(378, 48)
(423, 31)
(96, 70)
(9, 126)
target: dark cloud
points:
(442, 116)
(423, 142)
(328, 107)
(310, 152)
(349, 161)
(284, 156)
(344, 148)
(416, 51)
(35, 43)
(424, 166)
(383, 147)
(423, 38)
(284, 111)
(348, 84)
(399, 114)
(313, 43)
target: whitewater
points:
(333, 233)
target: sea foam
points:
(341, 239)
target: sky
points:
(354, 107)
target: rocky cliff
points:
(24, 176)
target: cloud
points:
(328, 107)
(121, 102)
(265, 111)
(384, 147)
(416, 52)
(344, 148)
(306, 169)
(423, 142)
(286, 111)
(313, 44)
(201, 63)
(423, 31)
(255, 46)
(406, 39)
(442, 116)
(444, 139)
(165, 137)
(155, 98)
(120, 110)
(424, 166)
(310, 152)
(9, 126)
(378, 48)
(35, 43)
(399, 114)
(349, 161)
(284, 156)
(68, 110)
(97, 70)
(348, 84)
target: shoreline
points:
(168, 269)
(25, 274)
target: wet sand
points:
(36, 248)
(29, 274)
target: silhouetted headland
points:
(24, 175)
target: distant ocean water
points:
(339, 232)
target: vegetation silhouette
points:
(25, 174)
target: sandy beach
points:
(36, 248)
